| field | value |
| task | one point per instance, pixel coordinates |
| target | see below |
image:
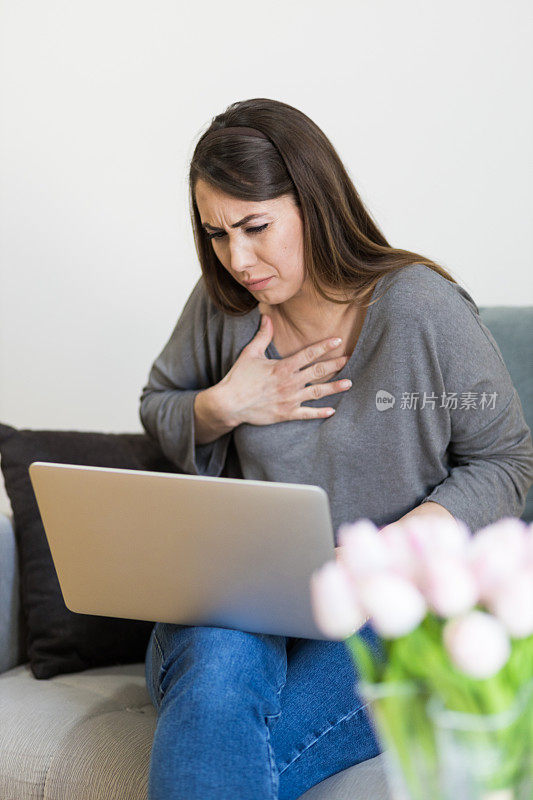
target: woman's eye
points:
(248, 230)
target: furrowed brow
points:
(235, 224)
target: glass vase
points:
(485, 757)
(432, 753)
(398, 712)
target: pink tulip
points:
(448, 586)
(394, 604)
(513, 604)
(362, 549)
(496, 553)
(335, 608)
(414, 540)
(435, 534)
(477, 643)
(528, 559)
(402, 558)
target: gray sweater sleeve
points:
(188, 363)
(490, 451)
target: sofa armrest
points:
(10, 619)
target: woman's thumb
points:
(264, 327)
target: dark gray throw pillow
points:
(56, 640)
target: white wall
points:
(429, 105)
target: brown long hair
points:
(344, 250)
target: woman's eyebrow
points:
(235, 224)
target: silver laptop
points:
(186, 549)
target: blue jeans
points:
(246, 716)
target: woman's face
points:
(268, 246)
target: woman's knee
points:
(211, 663)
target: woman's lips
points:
(259, 284)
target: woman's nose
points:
(241, 257)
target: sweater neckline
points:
(271, 351)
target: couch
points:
(88, 735)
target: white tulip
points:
(335, 608)
(513, 604)
(496, 553)
(362, 549)
(448, 586)
(477, 643)
(394, 603)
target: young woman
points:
(300, 291)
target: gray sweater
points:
(432, 413)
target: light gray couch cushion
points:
(10, 628)
(82, 736)
(88, 736)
